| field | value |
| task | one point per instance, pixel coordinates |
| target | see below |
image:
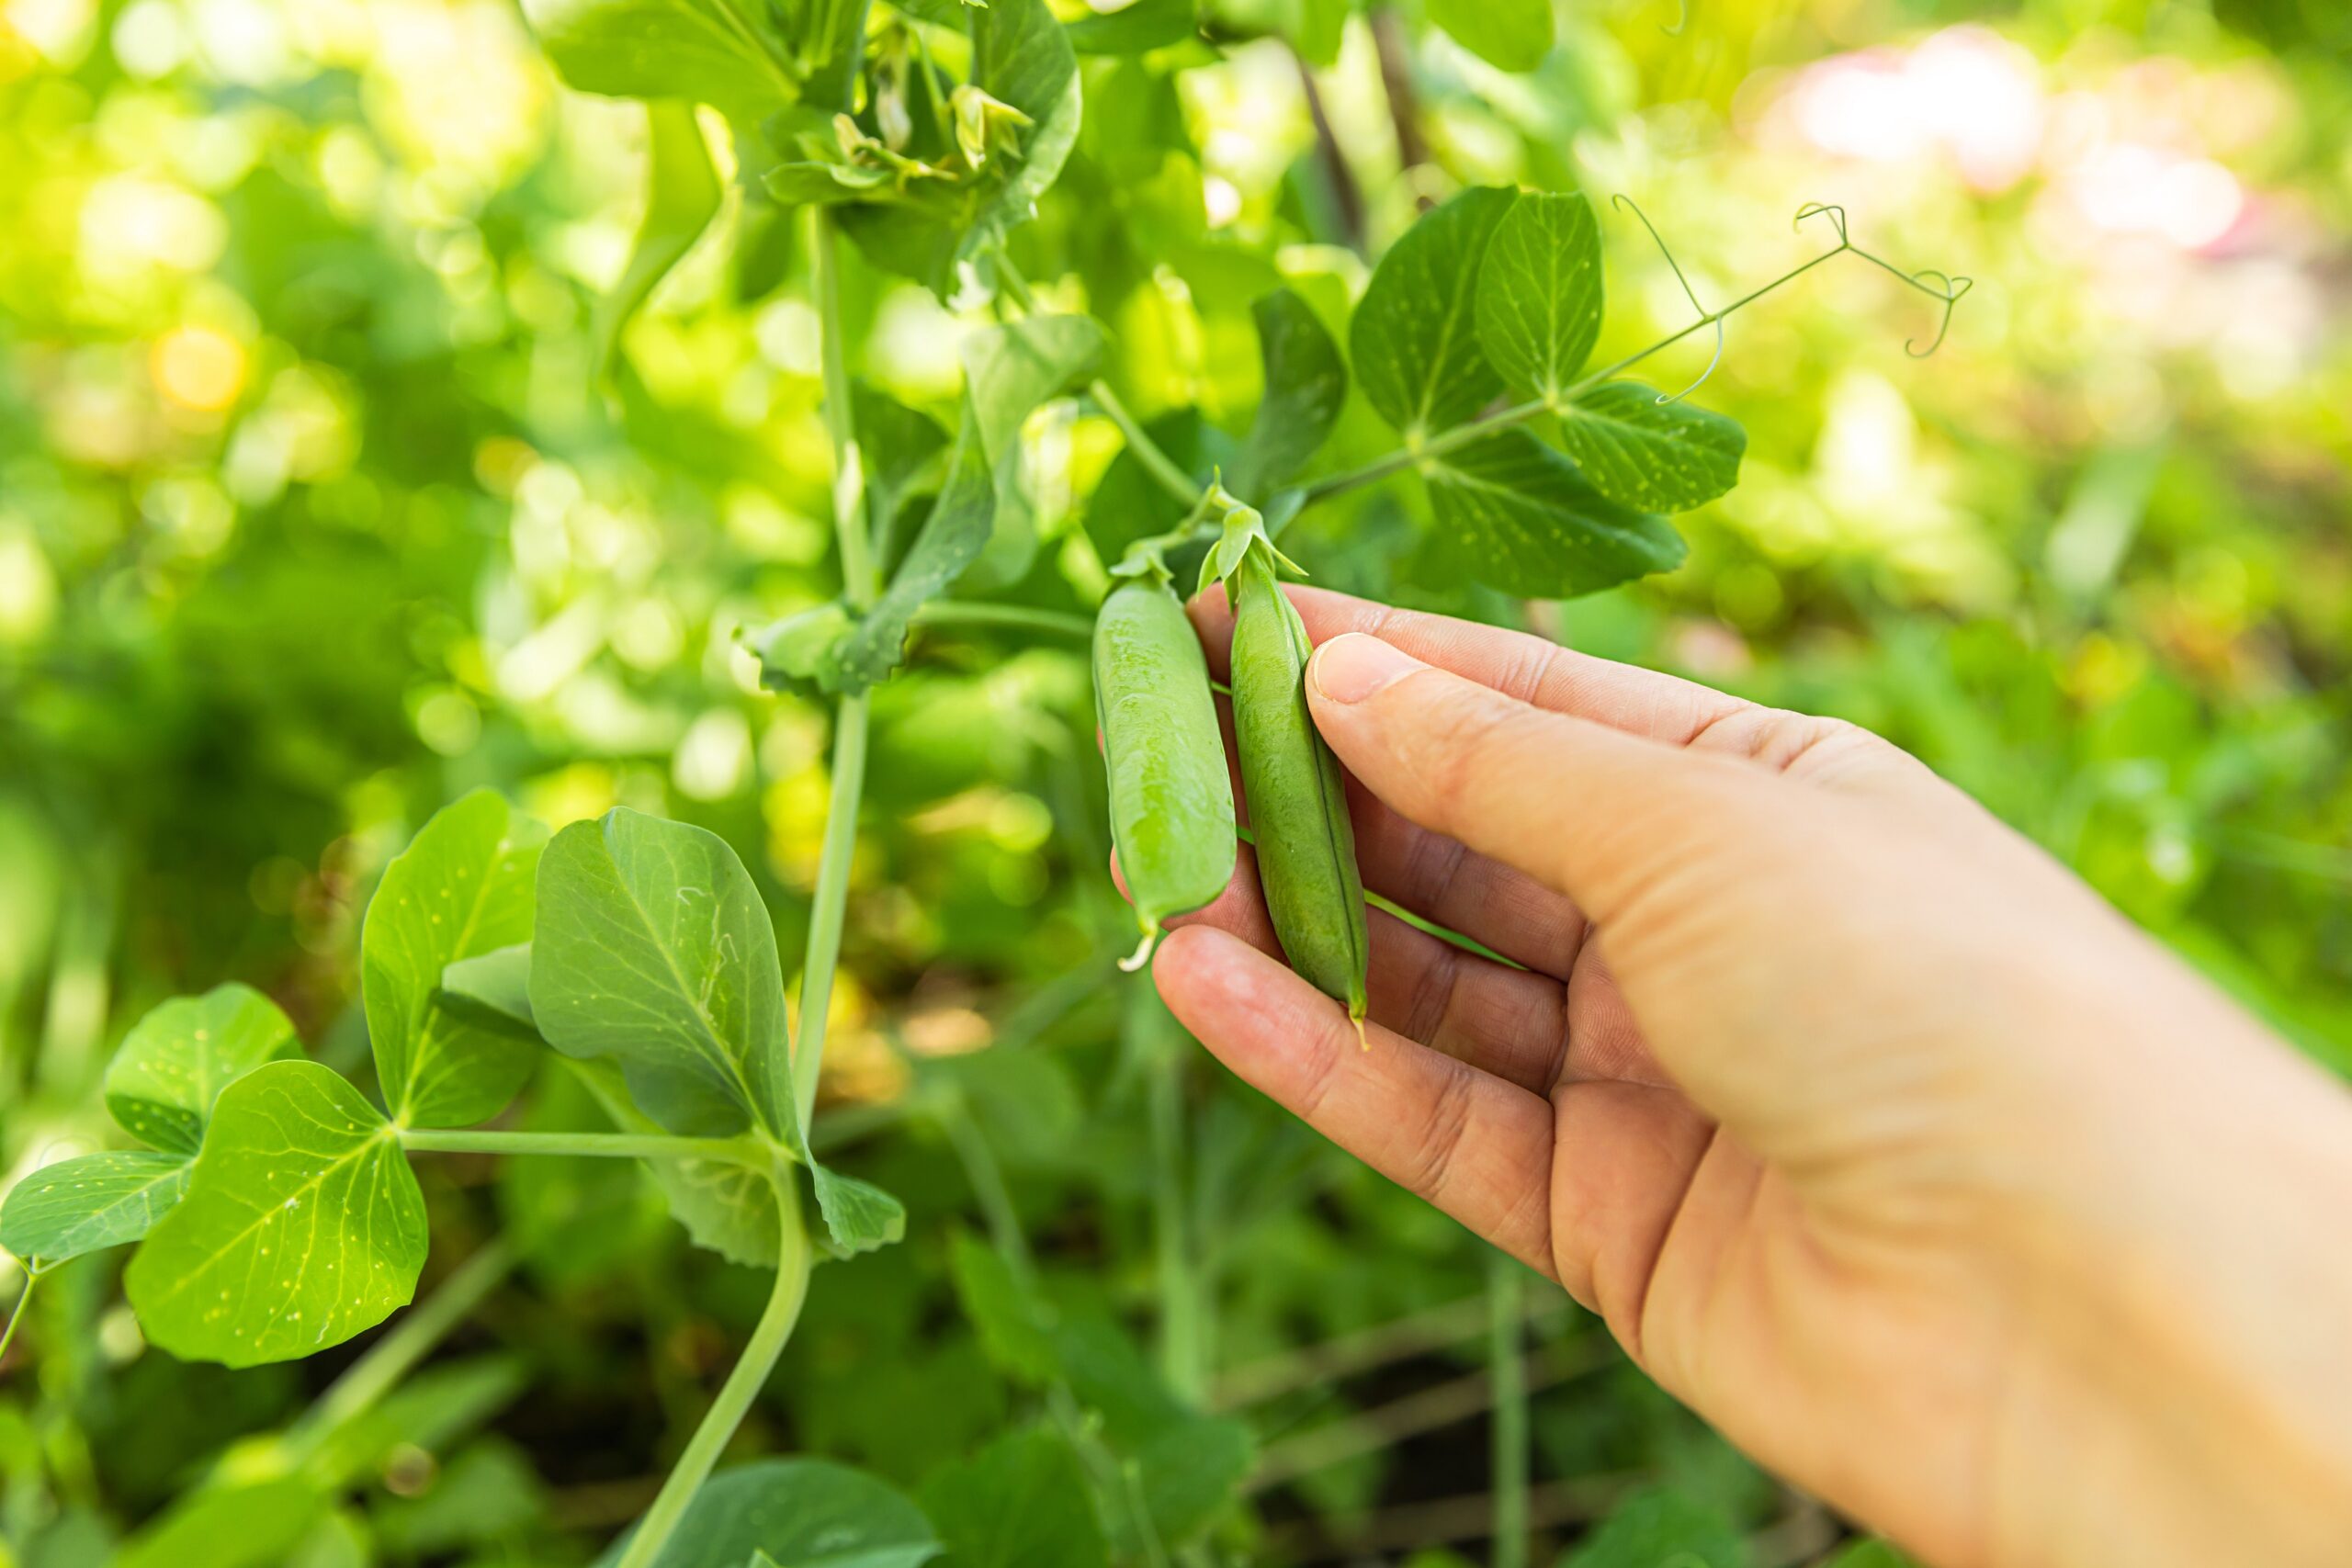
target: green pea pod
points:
(1172, 796)
(1298, 809)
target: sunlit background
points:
(313, 518)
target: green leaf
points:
(1008, 372)
(681, 195)
(1190, 1471)
(1022, 1502)
(1658, 455)
(493, 990)
(1321, 26)
(1135, 28)
(1306, 386)
(1869, 1554)
(803, 1513)
(302, 1225)
(177, 1060)
(1652, 1528)
(79, 1205)
(904, 451)
(654, 949)
(1022, 57)
(1010, 1320)
(726, 1207)
(1512, 34)
(1540, 293)
(859, 1216)
(704, 51)
(1129, 505)
(1528, 523)
(1414, 338)
(253, 1525)
(463, 887)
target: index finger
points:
(1532, 668)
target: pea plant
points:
(273, 1203)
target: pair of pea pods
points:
(1171, 791)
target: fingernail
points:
(1350, 667)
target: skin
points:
(1873, 1136)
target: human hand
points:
(1873, 1136)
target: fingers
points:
(1591, 811)
(1478, 1147)
(1509, 1022)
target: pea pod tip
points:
(1142, 954)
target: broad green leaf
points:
(859, 1216)
(1306, 386)
(1022, 1502)
(1540, 293)
(1513, 35)
(1528, 523)
(79, 1205)
(1414, 337)
(904, 452)
(1189, 1471)
(177, 1060)
(254, 1525)
(681, 195)
(1135, 28)
(1008, 1319)
(463, 887)
(302, 1225)
(1655, 1528)
(803, 1513)
(704, 51)
(1008, 372)
(493, 990)
(1022, 57)
(1659, 456)
(653, 949)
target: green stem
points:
(742, 1386)
(615, 1145)
(829, 904)
(861, 584)
(17, 1314)
(1011, 617)
(1170, 474)
(407, 1342)
(1506, 1304)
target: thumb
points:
(1600, 814)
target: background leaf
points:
(463, 887)
(1414, 338)
(804, 1513)
(1134, 29)
(1514, 35)
(1022, 1502)
(177, 1060)
(1656, 1528)
(1658, 457)
(681, 195)
(704, 51)
(1306, 385)
(1527, 521)
(302, 1225)
(1540, 293)
(73, 1206)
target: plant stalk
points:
(616, 1145)
(17, 1314)
(742, 1386)
(1011, 617)
(1507, 1357)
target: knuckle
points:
(1445, 1127)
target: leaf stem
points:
(829, 904)
(746, 1150)
(17, 1313)
(1011, 617)
(1164, 469)
(1412, 455)
(742, 1384)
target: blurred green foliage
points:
(313, 515)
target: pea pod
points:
(1172, 796)
(1298, 809)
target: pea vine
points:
(273, 1203)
